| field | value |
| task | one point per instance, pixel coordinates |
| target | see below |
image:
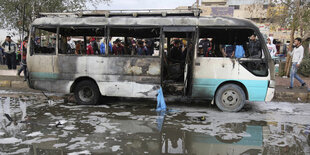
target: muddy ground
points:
(31, 123)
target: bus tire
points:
(86, 93)
(230, 97)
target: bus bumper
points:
(270, 94)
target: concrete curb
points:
(5, 83)
(19, 84)
(293, 96)
(13, 84)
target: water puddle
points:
(36, 125)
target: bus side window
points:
(229, 43)
(82, 41)
(135, 41)
(43, 41)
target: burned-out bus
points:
(226, 81)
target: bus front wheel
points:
(230, 97)
(86, 93)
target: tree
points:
(292, 14)
(14, 14)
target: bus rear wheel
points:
(86, 93)
(230, 97)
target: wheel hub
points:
(230, 98)
(86, 94)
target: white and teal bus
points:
(227, 81)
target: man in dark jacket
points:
(95, 46)
(176, 54)
(10, 49)
(254, 46)
(204, 44)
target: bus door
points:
(177, 58)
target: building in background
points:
(254, 10)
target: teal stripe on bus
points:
(44, 75)
(205, 88)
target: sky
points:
(126, 5)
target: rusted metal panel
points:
(115, 76)
(137, 69)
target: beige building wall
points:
(251, 11)
(255, 11)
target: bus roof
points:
(147, 18)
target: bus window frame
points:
(141, 27)
(258, 34)
(264, 59)
(84, 37)
(34, 28)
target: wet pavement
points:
(33, 124)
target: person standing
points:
(90, 50)
(229, 50)
(10, 48)
(118, 48)
(297, 56)
(150, 47)
(71, 44)
(37, 41)
(239, 51)
(95, 46)
(176, 54)
(141, 49)
(271, 48)
(23, 62)
(204, 44)
(255, 49)
(102, 47)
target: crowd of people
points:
(97, 46)
(254, 49)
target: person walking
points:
(297, 56)
(23, 62)
(10, 48)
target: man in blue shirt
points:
(102, 47)
(141, 50)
